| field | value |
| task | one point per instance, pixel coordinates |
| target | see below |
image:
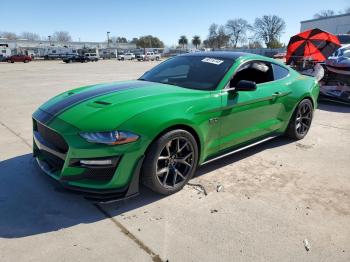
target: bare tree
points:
(237, 30)
(30, 36)
(347, 10)
(222, 38)
(217, 37)
(61, 36)
(269, 28)
(213, 30)
(324, 13)
(8, 35)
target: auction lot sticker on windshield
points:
(212, 61)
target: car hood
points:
(104, 107)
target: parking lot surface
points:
(273, 196)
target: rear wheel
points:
(170, 162)
(300, 122)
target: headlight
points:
(110, 138)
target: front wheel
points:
(170, 162)
(300, 122)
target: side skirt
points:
(239, 149)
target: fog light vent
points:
(95, 162)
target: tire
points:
(12, 61)
(165, 154)
(301, 120)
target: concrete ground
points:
(274, 195)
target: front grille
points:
(51, 137)
(99, 174)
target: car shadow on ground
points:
(333, 107)
(32, 203)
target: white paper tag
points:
(212, 61)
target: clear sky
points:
(90, 20)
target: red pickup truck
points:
(19, 58)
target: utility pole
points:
(108, 38)
(49, 39)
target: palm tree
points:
(196, 41)
(183, 41)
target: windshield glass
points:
(194, 72)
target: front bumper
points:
(59, 151)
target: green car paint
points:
(219, 120)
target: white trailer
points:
(58, 52)
(5, 51)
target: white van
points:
(93, 57)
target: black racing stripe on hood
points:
(78, 98)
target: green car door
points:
(251, 114)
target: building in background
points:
(43, 48)
(337, 24)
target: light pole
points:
(49, 39)
(108, 38)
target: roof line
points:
(323, 18)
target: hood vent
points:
(102, 103)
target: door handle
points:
(276, 94)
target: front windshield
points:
(194, 72)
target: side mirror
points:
(245, 85)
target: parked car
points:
(339, 61)
(148, 56)
(120, 56)
(92, 57)
(190, 110)
(129, 56)
(19, 58)
(76, 58)
(107, 55)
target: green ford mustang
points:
(187, 111)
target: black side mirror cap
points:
(245, 85)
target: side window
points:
(279, 72)
(257, 71)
